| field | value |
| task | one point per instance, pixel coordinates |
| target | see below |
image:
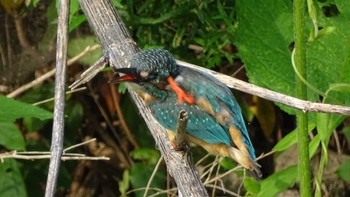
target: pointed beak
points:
(130, 75)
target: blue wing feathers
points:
(219, 96)
(200, 123)
(209, 130)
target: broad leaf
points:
(11, 180)
(10, 110)
(344, 170)
(278, 182)
(11, 137)
(264, 38)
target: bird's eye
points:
(144, 74)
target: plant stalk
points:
(301, 92)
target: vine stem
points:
(301, 92)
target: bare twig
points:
(265, 155)
(51, 99)
(77, 145)
(128, 132)
(90, 73)
(58, 119)
(223, 189)
(215, 183)
(272, 95)
(30, 156)
(121, 152)
(49, 74)
(210, 167)
(337, 143)
(160, 191)
(152, 175)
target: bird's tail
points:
(246, 161)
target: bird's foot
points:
(181, 94)
(180, 147)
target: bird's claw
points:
(182, 147)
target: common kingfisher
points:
(215, 120)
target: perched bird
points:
(215, 120)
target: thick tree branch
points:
(119, 47)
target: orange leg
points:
(181, 94)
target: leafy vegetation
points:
(222, 35)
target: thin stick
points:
(222, 175)
(91, 72)
(32, 155)
(64, 157)
(129, 134)
(216, 182)
(51, 99)
(210, 168)
(337, 143)
(152, 175)
(80, 144)
(160, 191)
(265, 155)
(272, 95)
(202, 159)
(58, 119)
(49, 74)
(224, 190)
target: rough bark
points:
(119, 47)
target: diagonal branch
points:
(119, 47)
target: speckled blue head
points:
(154, 65)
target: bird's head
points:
(150, 66)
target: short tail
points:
(247, 162)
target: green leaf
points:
(11, 137)
(252, 186)
(264, 37)
(313, 146)
(326, 124)
(287, 141)
(124, 184)
(74, 115)
(278, 182)
(10, 110)
(33, 124)
(75, 21)
(77, 45)
(290, 139)
(11, 180)
(121, 88)
(140, 175)
(227, 163)
(148, 154)
(344, 171)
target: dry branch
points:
(49, 74)
(58, 117)
(33, 155)
(119, 47)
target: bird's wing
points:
(218, 96)
(200, 124)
